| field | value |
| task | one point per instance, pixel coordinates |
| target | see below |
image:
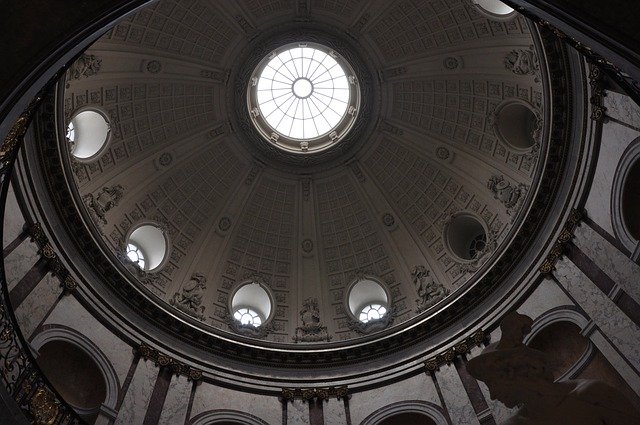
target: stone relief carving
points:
(103, 201)
(522, 62)
(312, 329)
(84, 67)
(520, 376)
(429, 291)
(510, 195)
(189, 300)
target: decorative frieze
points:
(306, 394)
(163, 360)
(557, 251)
(459, 349)
(68, 283)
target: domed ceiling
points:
(422, 194)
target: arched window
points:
(88, 132)
(368, 300)
(251, 304)
(465, 236)
(147, 247)
(517, 125)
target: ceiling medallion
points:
(303, 97)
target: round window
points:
(251, 304)
(147, 247)
(88, 133)
(372, 312)
(303, 97)
(466, 237)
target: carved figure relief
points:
(85, 66)
(190, 299)
(522, 62)
(312, 329)
(511, 196)
(104, 201)
(429, 291)
(518, 375)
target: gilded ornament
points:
(43, 407)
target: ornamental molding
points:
(165, 361)
(555, 148)
(322, 394)
(463, 347)
(559, 247)
(46, 251)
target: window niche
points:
(368, 305)
(88, 133)
(147, 248)
(251, 308)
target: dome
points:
(273, 196)
(423, 188)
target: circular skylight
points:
(303, 97)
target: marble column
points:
(176, 402)
(615, 326)
(298, 413)
(455, 397)
(334, 412)
(136, 400)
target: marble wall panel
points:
(615, 139)
(19, 262)
(175, 406)
(70, 313)
(419, 387)
(136, 401)
(615, 264)
(211, 397)
(13, 219)
(298, 413)
(614, 324)
(34, 308)
(545, 297)
(616, 360)
(500, 412)
(622, 108)
(334, 413)
(455, 397)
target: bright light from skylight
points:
(303, 93)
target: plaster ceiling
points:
(170, 80)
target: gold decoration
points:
(565, 236)
(164, 360)
(459, 349)
(307, 394)
(43, 407)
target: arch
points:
(425, 408)
(558, 316)
(63, 333)
(621, 200)
(224, 416)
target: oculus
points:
(303, 97)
